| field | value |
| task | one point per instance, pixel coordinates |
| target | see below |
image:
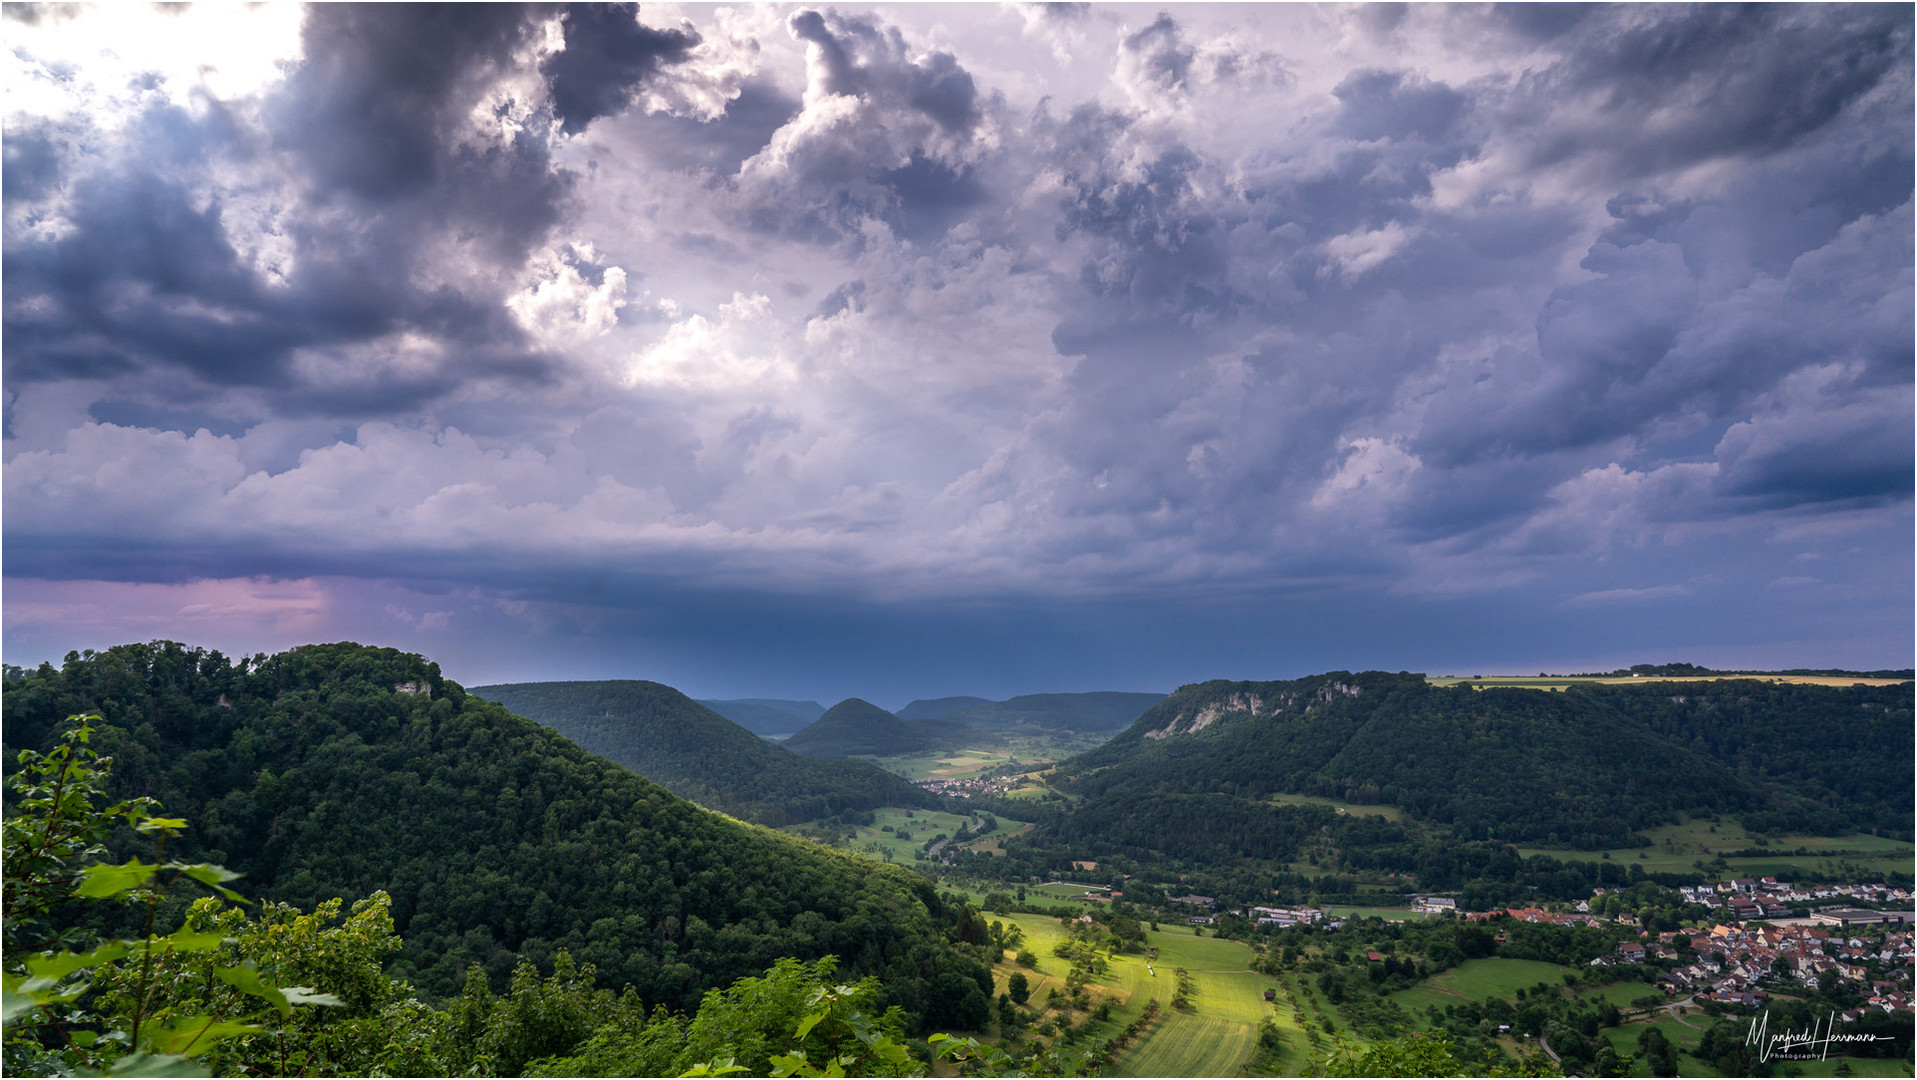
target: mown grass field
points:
(1214, 1038)
(1621, 994)
(1678, 847)
(1389, 914)
(1475, 980)
(1389, 813)
(922, 825)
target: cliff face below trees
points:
(1587, 767)
(336, 770)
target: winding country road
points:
(970, 824)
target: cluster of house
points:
(1769, 898)
(965, 789)
(1730, 962)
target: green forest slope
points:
(697, 754)
(1586, 767)
(854, 727)
(336, 770)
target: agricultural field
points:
(920, 825)
(1057, 890)
(1553, 682)
(1475, 980)
(1389, 813)
(1214, 1038)
(1678, 847)
(1389, 914)
(1621, 994)
(988, 752)
(993, 843)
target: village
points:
(1773, 937)
(967, 787)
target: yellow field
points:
(1558, 683)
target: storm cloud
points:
(590, 321)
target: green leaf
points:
(806, 1025)
(727, 1067)
(49, 968)
(793, 1065)
(13, 1003)
(181, 941)
(247, 981)
(105, 880)
(210, 875)
(155, 824)
(198, 1034)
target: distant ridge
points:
(854, 727)
(940, 707)
(697, 754)
(767, 716)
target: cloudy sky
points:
(917, 350)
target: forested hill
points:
(1586, 767)
(1089, 713)
(335, 770)
(1847, 747)
(697, 754)
(854, 727)
(767, 716)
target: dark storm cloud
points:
(1394, 105)
(910, 157)
(379, 114)
(1162, 56)
(32, 163)
(1664, 87)
(863, 59)
(1190, 331)
(376, 123)
(608, 54)
(1162, 245)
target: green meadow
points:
(1679, 847)
(987, 752)
(1475, 980)
(919, 825)
(1389, 813)
(1389, 914)
(1214, 1038)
